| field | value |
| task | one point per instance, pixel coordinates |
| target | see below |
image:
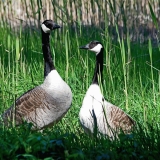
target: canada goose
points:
(47, 103)
(95, 110)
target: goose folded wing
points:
(121, 120)
(24, 105)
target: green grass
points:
(131, 81)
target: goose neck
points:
(48, 62)
(98, 68)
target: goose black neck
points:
(48, 62)
(98, 68)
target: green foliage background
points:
(131, 81)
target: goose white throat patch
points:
(97, 48)
(45, 29)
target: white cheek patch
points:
(45, 29)
(97, 48)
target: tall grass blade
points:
(153, 15)
(123, 57)
(152, 75)
(17, 49)
(67, 50)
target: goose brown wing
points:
(24, 105)
(120, 120)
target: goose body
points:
(95, 110)
(47, 103)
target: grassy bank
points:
(131, 81)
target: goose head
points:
(94, 46)
(97, 47)
(48, 25)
